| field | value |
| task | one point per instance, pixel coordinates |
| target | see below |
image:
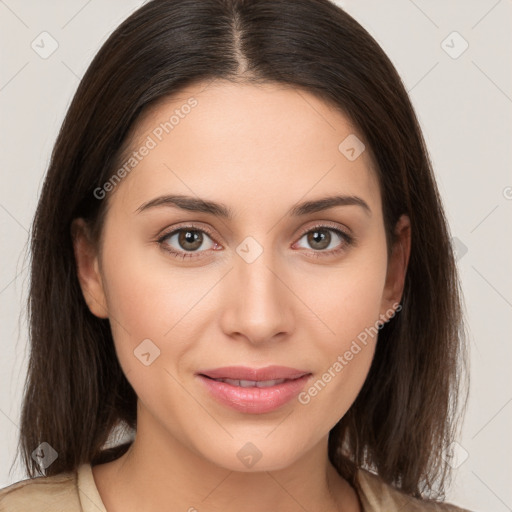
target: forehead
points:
(235, 143)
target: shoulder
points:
(377, 496)
(42, 493)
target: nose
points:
(258, 305)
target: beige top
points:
(77, 492)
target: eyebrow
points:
(195, 204)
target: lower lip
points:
(255, 400)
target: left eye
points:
(321, 239)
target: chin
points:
(252, 456)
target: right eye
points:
(185, 241)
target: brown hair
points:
(407, 412)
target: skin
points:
(259, 150)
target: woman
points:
(240, 257)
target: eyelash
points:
(348, 240)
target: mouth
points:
(254, 390)
(247, 374)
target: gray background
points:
(464, 103)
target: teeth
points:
(246, 383)
(252, 383)
(267, 383)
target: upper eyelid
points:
(326, 225)
(193, 227)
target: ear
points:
(87, 265)
(397, 266)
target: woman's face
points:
(268, 277)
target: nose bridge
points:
(259, 306)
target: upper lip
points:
(254, 374)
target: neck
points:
(160, 473)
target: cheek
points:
(346, 297)
(346, 349)
(145, 303)
(146, 295)
(348, 304)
